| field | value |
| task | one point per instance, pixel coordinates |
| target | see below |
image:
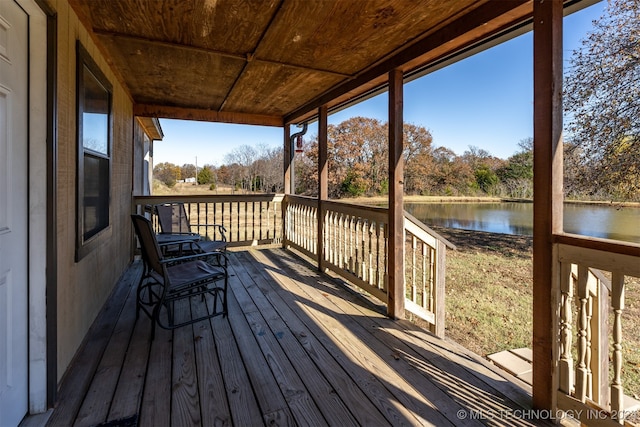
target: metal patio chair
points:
(170, 281)
(174, 224)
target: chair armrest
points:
(193, 257)
(176, 242)
(219, 231)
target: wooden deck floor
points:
(296, 349)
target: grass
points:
(489, 302)
(189, 189)
(489, 299)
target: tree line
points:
(246, 168)
(358, 166)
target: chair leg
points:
(224, 297)
(153, 325)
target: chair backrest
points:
(151, 253)
(173, 218)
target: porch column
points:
(323, 179)
(395, 303)
(288, 178)
(288, 160)
(547, 186)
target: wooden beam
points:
(168, 112)
(547, 185)
(484, 21)
(323, 179)
(249, 57)
(395, 298)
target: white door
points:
(13, 213)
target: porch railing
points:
(355, 241)
(425, 265)
(590, 289)
(249, 219)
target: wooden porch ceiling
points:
(272, 62)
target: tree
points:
(516, 177)
(168, 173)
(357, 152)
(602, 101)
(244, 157)
(486, 179)
(270, 169)
(187, 171)
(418, 158)
(484, 167)
(206, 176)
(449, 176)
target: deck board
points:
(213, 396)
(296, 349)
(343, 388)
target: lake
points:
(606, 221)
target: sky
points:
(485, 101)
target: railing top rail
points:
(424, 227)
(302, 200)
(587, 242)
(208, 198)
(346, 207)
(370, 212)
(599, 259)
(299, 197)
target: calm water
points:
(517, 218)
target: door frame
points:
(39, 121)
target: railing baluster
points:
(378, 258)
(617, 304)
(371, 267)
(426, 297)
(351, 248)
(414, 246)
(386, 258)
(238, 220)
(581, 371)
(566, 359)
(432, 275)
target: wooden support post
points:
(323, 180)
(288, 160)
(288, 178)
(547, 185)
(395, 300)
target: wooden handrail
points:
(613, 246)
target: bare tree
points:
(245, 156)
(602, 102)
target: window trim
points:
(84, 247)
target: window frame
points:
(86, 246)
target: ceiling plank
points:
(167, 112)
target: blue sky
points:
(484, 101)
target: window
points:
(94, 155)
